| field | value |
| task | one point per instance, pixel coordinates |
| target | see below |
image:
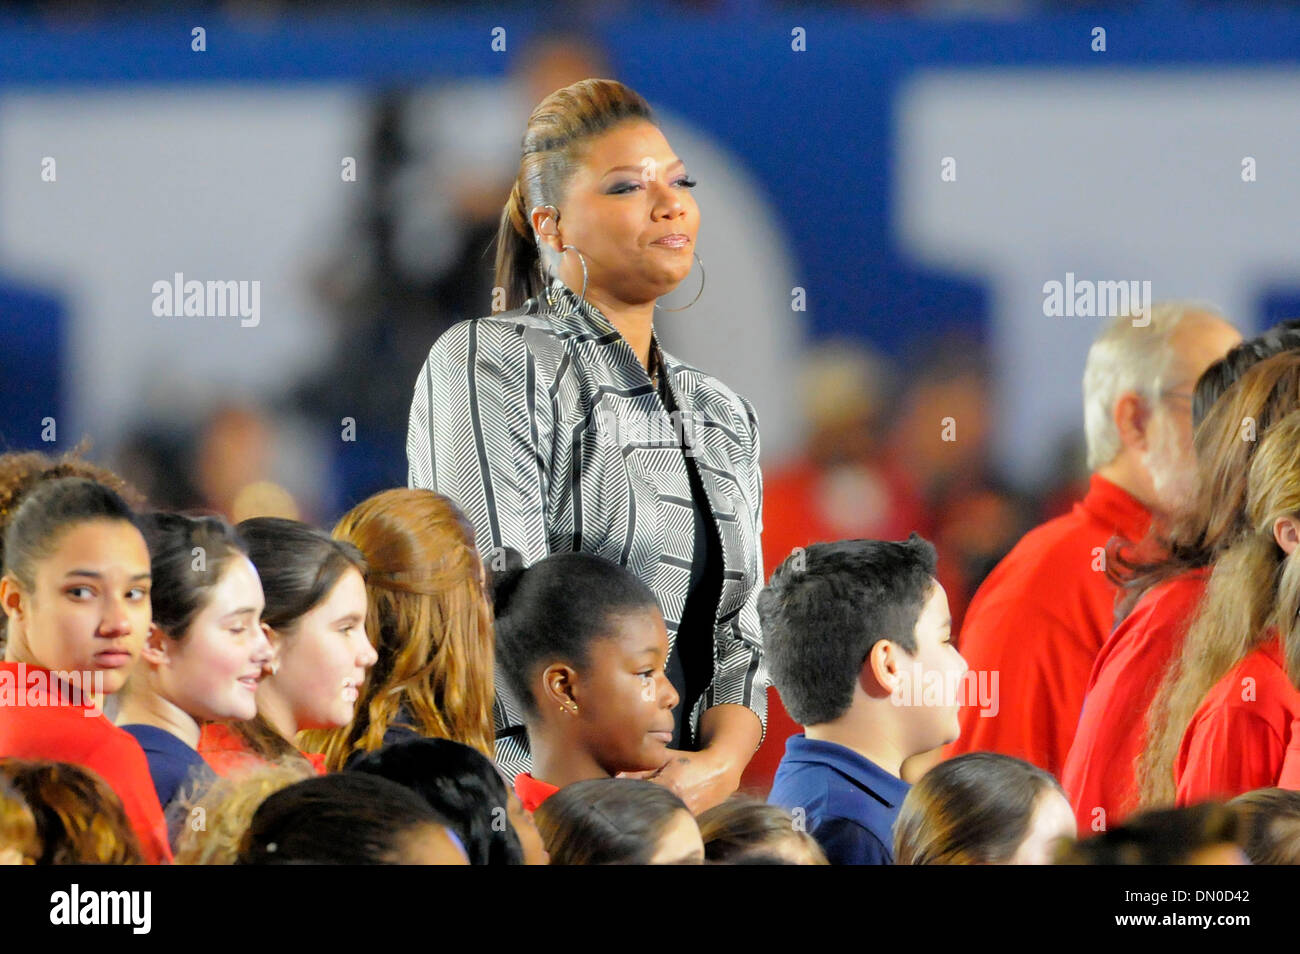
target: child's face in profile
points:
(625, 699)
(1053, 819)
(941, 664)
(679, 843)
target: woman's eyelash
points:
(685, 181)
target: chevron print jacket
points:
(542, 425)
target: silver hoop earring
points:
(697, 294)
(582, 298)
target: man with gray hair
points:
(1041, 616)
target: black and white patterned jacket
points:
(542, 425)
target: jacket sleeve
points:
(480, 422)
(740, 674)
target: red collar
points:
(1116, 509)
(531, 792)
(1272, 648)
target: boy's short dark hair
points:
(827, 605)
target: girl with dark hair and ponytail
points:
(582, 644)
(315, 613)
(559, 424)
(75, 590)
(206, 652)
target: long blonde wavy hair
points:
(429, 620)
(1254, 588)
(216, 816)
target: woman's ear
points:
(546, 226)
(1286, 531)
(559, 682)
(155, 646)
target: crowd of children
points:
(179, 690)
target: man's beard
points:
(1172, 468)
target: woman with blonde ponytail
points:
(558, 423)
(1222, 720)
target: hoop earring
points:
(582, 297)
(697, 294)
(555, 214)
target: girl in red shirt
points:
(1221, 722)
(316, 611)
(75, 590)
(582, 645)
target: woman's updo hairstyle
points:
(552, 147)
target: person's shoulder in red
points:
(1038, 621)
(531, 792)
(1163, 612)
(1052, 563)
(227, 752)
(1238, 737)
(1098, 772)
(35, 725)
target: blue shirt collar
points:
(866, 774)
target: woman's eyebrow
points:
(675, 162)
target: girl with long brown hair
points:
(1221, 722)
(430, 623)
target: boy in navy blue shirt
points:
(859, 644)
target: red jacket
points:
(1238, 739)
(1038, 621)
(1099, 772)
(33, 726)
